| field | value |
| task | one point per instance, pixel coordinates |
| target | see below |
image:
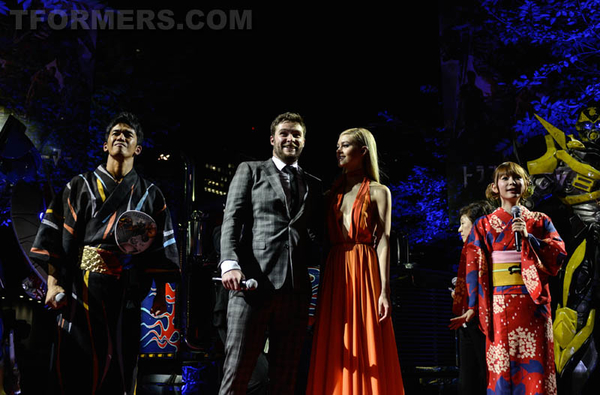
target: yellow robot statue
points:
(570, 170)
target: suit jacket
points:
(259, 232)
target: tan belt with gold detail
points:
(93, 259)
(506, 274)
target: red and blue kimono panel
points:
(158, 333)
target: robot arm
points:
(542, 171)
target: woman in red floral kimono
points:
(508, 288)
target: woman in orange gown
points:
(354, 349)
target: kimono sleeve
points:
(477, 283)
(57, 239)
(542, 256)
(460, 304)
(164, 256)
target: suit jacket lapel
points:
(274, 179)
(304, 181)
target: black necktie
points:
(293, 177)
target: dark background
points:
(337, 66)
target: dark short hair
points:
(288, 117)
(128, 119)
(476, 210)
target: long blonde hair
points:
(364, 138)
(511, 169)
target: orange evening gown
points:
(352, 353)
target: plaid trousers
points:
(252, 316)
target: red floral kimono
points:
(516, 319)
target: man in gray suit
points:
(270, 233)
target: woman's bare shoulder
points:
(379, 190)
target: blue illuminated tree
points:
(418, 181)
(420, 206)
(558, 46)
(67, 84)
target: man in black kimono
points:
(94, 284)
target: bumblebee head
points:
(588, 124)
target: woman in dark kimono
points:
(472, 372)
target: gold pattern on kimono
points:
(521, 343)
(497, 358)
(530, 278)
(499, 304)
(496, 223)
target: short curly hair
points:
(288, 117)
(128, 119)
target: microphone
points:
(453, 284)
(247, 285)
(516, 212)
(57, 298)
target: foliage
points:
(420, 206)
(566, 75)
(419, 187)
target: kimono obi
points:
(506, 268)
(102, 261)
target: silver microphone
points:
(57, 298)
(451, 289)
(247, 285)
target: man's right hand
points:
(54, 290)
(232, 280)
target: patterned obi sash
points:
(506, 268)
(102, 261)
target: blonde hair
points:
(511, 169)
(364, 138)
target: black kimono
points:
(104, 286)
